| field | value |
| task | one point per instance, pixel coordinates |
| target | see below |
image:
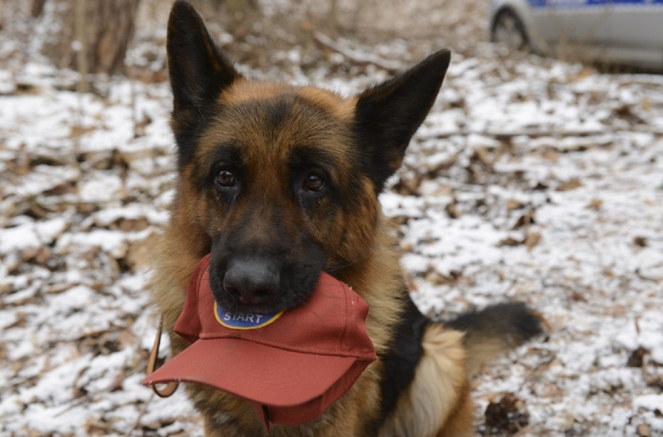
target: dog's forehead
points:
(246, 92)
(268, 121)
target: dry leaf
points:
(569, 185)
(436, 278)
(640, 241)
(525, 220)
(139, 253)
(507, 416)
(578, 297)
(63, 188)
(595, 204)
(451, 210)
(77, 131)
(637, 357)
(551, 156)
(532, 240)
(512, 204)
(643, 430)
(133, 225)
(509, 241)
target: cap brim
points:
(254, 371)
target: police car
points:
(619, 31)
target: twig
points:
(647, 278)
(81, 12)
(533, 133)
(132, 87)
(353, 55)
(141, 413)
(76, 402)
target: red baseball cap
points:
(291, 365)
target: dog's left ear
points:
(388, 115)
(198, 74)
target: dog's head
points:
(282, 181)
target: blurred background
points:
(127, 36)
(536, 177)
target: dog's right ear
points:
(388, 115)
(198, 71)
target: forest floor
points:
(532, 179)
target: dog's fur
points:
(281, 182)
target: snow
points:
(103, 188)
(532, 180)
(20, 237)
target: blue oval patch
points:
(243, 321)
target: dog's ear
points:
(198, 70)
(387, 115)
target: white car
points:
(615, 31)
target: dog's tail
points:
(495, 329)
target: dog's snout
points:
(252, 282)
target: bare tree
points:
(92, 32)
(37, 7)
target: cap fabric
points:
(292, 365)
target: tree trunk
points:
(333, 15)
(238, 9)
(37, 7)
(241, 13)
(108, 26)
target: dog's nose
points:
(251, 282)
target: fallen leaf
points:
(551, 156)
(451, 210)
(656, 381)
(578, 297)
(77, 131)
(306, 26)
(512, 204)
(643, 430)
(63, 188)
(408, 184)
(139, 252)
(525, 220)
(133, 225)
(595, 204)
(640, 241)
(436, 278)
(532, 240)
(506, 416)
(509, 241)
(637, 357)
(569, 185)
(37, 211)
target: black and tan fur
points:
(281, 182)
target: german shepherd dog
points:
(280, 183)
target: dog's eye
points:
(314, 182)
(225, 179)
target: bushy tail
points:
(495, 329)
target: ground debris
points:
(531, 180)
(506, 416)
(637, 357)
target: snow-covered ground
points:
(531, 180)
